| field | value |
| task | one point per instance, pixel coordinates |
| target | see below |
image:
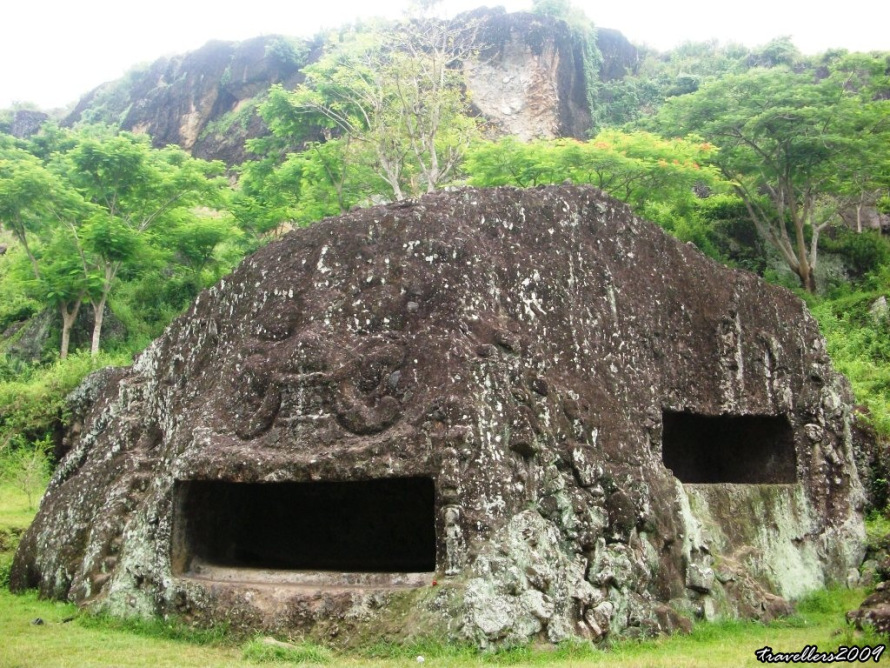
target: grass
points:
(70, 637)
(67, 637)
(877, 526)
(15, 516)
(268, 650)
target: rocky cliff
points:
(528, 81)
(492, 415)
(176, 100)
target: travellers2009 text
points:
(811, 654)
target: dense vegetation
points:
(765, 159)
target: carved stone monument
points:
(496, 415)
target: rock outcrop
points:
(176, 99)
(26, 122)
(874, 612)
(496, 415)
(528, 81)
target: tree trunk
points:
(24, 241)
(68, 318)
(98, 314)
(807, 278)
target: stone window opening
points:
(371, 526)
(741, 449)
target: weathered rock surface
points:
(874, 611)
(26, 122)
(528, 81)
(620, 57)
(524, 364)
(176, 98)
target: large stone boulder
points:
(497, 415)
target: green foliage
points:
(287, 54)
(239, 119)
(393, 95)
(5, 570)
(121, 194)
(34, 403)
(458, 653)
(6, 119)
(862, 252)
(640, 94)
(805, 143)
(12, 368)
(859, 344)
(657, 177)
(111, 101)
(91, 208)
(30, 196)
(325, 179)
(877, 528)
(88, 639)
(564, 10)
(110, 238)
(156, 628)
(197, 239)
(622, 101)
(260, 650)
(779, 51)
(824, 602)
(17, 289)
(720, 227)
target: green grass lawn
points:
(69, 637)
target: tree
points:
(35, 203)
(778, 51)
(327, 178)
(26, 189)
(132, 189)
(196, 240)
(27, 468)
(393, 96)
(657, 177)
(565, 10)
(65, 282)
(862, 182)
(784, 139)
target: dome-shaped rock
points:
(571, 422)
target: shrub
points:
(862, 253)
(33, 406)
(27, 468)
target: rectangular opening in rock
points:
(752, 449)
(374, 526)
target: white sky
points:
(54, 51)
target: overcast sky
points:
(51, 52)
